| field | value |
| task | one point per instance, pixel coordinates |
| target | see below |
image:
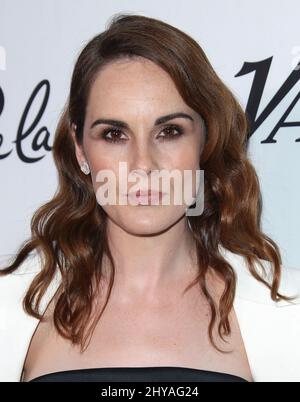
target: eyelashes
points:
(114, 135)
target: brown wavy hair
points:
(70, 229)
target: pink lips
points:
(146, 196)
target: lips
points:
(147, 193)
(145, 196)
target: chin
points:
(147, 220)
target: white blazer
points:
(270, 330)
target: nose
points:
(144, 158)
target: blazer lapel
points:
(16, 326)
(270, 330)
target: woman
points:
(138, 291)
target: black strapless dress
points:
(138, 374)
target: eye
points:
(171, 132)
(114, 133)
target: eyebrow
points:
(158, 121)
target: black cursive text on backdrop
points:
(39, 136)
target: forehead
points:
(133, 86)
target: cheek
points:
(101, 158)
(102, 166)
(185, 158)
(187, 161)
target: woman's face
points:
(138, 93)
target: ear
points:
(78, 148)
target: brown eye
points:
(171, 132)
(112, 135)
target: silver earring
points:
(85, 168)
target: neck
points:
(145, 265)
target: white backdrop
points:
(39, 40)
